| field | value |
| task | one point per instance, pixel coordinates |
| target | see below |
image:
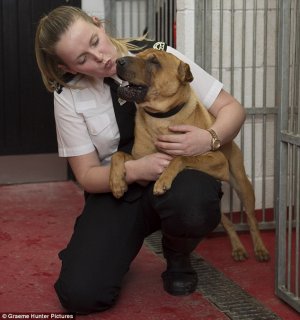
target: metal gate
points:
(236, 42)
(288, 164)
(253, 47)
(133, 18)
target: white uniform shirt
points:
(85, 118)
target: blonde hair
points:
(50, 28)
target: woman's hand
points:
(187, 140)
(148, 168)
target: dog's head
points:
(157, 80)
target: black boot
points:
(180, 278)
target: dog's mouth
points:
(133, 93)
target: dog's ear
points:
(184, 72)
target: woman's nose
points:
(98, 56)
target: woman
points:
(74, 55)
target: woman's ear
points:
(66, 69)
(97, 22)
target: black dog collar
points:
(165, 114)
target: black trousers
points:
(109, 234)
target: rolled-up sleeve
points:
(72, 134)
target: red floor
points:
(37, 221)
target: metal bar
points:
(110, 15)
(262, 111)
(290, 138)
(292, 211)
(289, 216)
(232, 84)
(297, 154)
(282, 102)
(208, 34)
(232, 48)
(174, 11)
(264, 123)
(276, 123)
(150, 16)
(166, 29)
(297, 67)
(139, 16)
(123, 20)
(245, 227)
(292, 74)
(203, 32)
(288, 298)
(199, 42)
(130, 18)
(163, 22)
(158, 21)
(221, 42)
(171, 19)
(243, 67)
(253, 144)
(297, 219)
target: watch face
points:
(216, 144)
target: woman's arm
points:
(94, 178)
(230, 116)
(89, 173)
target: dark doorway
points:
(26, 109)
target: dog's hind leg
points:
(117, 175)
(239, 252)
(244, 190)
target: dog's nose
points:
(121, 61)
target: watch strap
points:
(214, 137)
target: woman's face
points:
(85, 48)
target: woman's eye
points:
(82, 60)
(95, 42)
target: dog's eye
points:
(153, 59)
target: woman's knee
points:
(193, 204)
(193, 221)
(84, 298)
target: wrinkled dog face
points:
(151, 73)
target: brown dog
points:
(159, 84)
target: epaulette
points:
(66, 78)
(146, 44)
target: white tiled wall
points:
(185, 27)
(94, 7)
(124, 26)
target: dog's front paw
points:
(118, 187)
(262, 254)
(161, 186)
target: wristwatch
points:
(215, 143)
